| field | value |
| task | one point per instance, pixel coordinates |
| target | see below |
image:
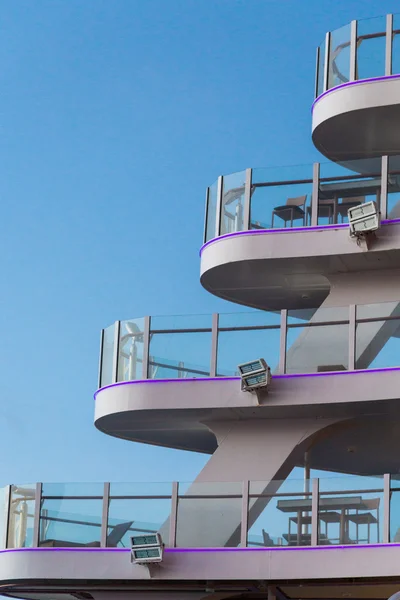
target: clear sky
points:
(114, 117)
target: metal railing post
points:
(101, 357)
(353, 51)
(36, 515)
(314, 512)
(386, 509)
(247, 200)
(214, 345)
(218, 218)
(206, 216)
(389, 44)
(7, 511)
(174, 515)
(104, 516)
(282, 342)
(245, 514)
(317, 71)
(315, 193)
(352, 337)
(146, 348)
(117, 328)
(327, 57)
(384, 187)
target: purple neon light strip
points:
(286, 230)
(212, 550)
(352, 83)
(285, 376)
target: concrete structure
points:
(328, 324)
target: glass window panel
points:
(130, 358)
(320, 73)
(211, 211)
(152, 488)
(339, 57)
(172, 322)
(371, 47)
(378, 344)
(279, 206)
(396, 45)
(65, 523)
(393, 201)
(232, 205)
(237, 347)
(179, 355)
(22, 510)
(204, 521)
(395, 516)
(107, 359)
(72, 489)
(317, 349)
(127, 517)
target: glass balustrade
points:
(335, 509)
(199, 346)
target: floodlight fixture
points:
(254, 375)
(363, 219)
(146, 549)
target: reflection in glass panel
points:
(130, 358)
(65, 523)
(279, 206)
(395, 516)
(107, 357)
(339, 57)
(371, 47)
(206, 521)
(321, 65)
(179, 355)
(211, 211)
(127, 517)
(279, 521)
(346, 518)
(237, 347)
(396, 45)
(3, 515)
(316, 349)
(393, 201)
(232, 205)
(378, 344)
(22, 510)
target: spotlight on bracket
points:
(363, 219)
(255, 374)
(147, 549)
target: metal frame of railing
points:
(244, 493)
(214, 370)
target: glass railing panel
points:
(344, 186)
(139, 516)
(209, 515)
(321, 69)
(281, 174)
(395, 481)
(393, 186)
(130, 357)
(396, 44)
(339, 57)
(179, 355)
(141, 489)
(232, 205)
(3, 515)
(307, 332)
(68, 490)
(378, 344)
(22, 510)
(239, 334)
(211, 211)
(394, 516)
(70, 522)
(279, 513)
(350, 510)
(371, 47)
(107, 359)
(170, 323)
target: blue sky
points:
(114, 118)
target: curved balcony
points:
(356, 111)
(263, 244)
(167, 381)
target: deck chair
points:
(344, 206)
(291, 211)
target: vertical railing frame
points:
(317, 70)
(104, 515)
(245, 514)
(101, 357)
(117, 329)
(386, 509)
(174, 514)
(146, 348)
(282, 341)
(247, 200)
(353, 51)
(36, 515)
(352, 337)
(206, 216)
(384, 187)
(327, 58)
(315, 192)
(7, 511)
(214, 345)
(218, 219)
(389, 44)
(314, 512)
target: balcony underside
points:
(291, 269)
(181, 414)
(359, 119)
